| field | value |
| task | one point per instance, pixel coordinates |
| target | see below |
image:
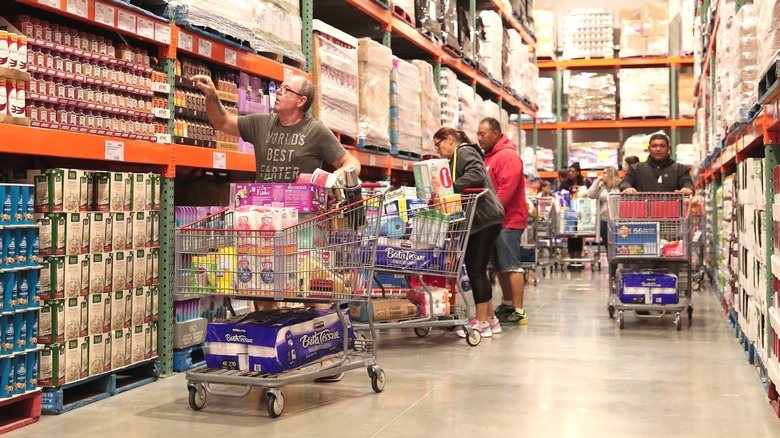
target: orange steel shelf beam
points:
(52, 143)
(514, 22)
(615, 63)
(618, 124)
(191, 156)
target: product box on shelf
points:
(75, 317)
(118, 348)
(306, 198)
(189, 333)
(138, 344)
(52, 322)
(383, 310)
(52, 365)
(99, 354)
(97, 314)
(110, 191)
(275, 341)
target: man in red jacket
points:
(506, 171)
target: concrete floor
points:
(570, 373)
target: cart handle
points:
(473, 190)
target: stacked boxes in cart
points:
(19, 285)
(751, 301)
(99, 248)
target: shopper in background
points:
(287, 141)
(469, 172)
(574, 180)
(660, 173)
(562, 175)
(545, 189)
(629, 161)
(505, 168)
(608, 183)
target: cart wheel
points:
(378, 380)
(473, 338)
(621, 320)
(690, 313)
(197, 397)
(598, 266)
(275, 404)
(678, 322)
(422, 331)
(611, 310)
(536, 281)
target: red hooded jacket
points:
(506, 171)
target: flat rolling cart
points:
(546, 221)
(580, 224)
(429, 252)
(650, 231)
(327, 259)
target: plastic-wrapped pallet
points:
(235, 18)
(688, 16)
(636, 145)
(449, 23)
(591, 97)
(531, 82)
(545, 159)
(644, 31)
(489, 109)
(491, 48)
(407, 6)
(588, 33)
(448, 90)
(375, 64)
(767, 32)
(408, 101)
(743, 72)
(335, 76)
(467, 113)
(427, 13)
(546, 92)
(685, 89)
(465, 26)
(277, 27)
(687, 154)
(644, 92)
(504, 119)
(513, 67)
(431, 107)
(594, 154)
(545, 32)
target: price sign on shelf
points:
(230, 57)
(77, 7)
(50, 3)
(287, 73)
(404, 165)
(220, 160)
(185, 41)
(126, 21)
(104, 14)
(204, 47)
(162, 33)
(115, 150)
(145, 28)
(372, 160)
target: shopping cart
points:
(529, 250)
(429, 252)
(649, 231)
(546, 221)
(698, 233)
(580, 221)
(326, 259)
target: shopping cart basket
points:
(581, 220)
(327, 259)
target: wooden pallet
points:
(768, 87)
(348, 141)
(403, 15)
(188, 358)
(278, 57)
(20, 411)
(430, 35)
(409, 155)
(74, 395)
(454, 51)
(375, 149)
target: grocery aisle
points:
(570, 372)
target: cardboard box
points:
(139, 229)
(109, 191)
(155, 291)
(119, 281)
(139, 268)
(155, 253)
(156, 191)
(51, 326)
(383, 310)
(138, 344)
(97, 314)
(108, 273)
(73, 355)
(119, 226)
(51, 371)
(306, 198)
(97, 232)
(64, 189)
(153, 236)
(189, 333)
(147, 341)
(433, 179)
(75, 310)
(119, 307)
(138, 192)
(129, 346)
(139, 306)
(71, 275)
(98, 354)
(42, 194)
(118, 348)
(154, 328)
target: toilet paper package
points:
(647, 287)
(262, 229)
(304, 197)
(438, 300)
(277, 340)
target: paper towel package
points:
(648, 287)
(277, 340)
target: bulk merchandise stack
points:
(645, 31)
(375, 66)
(407, 97)
(644, 92)
(430, 114)
(587, 33)
(592, 97)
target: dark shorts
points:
(506, 254)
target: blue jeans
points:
(506, 255)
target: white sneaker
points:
(495, 325)
(484, 330)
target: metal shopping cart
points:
(581, 220)
(430, 251)
(327, 259)
(649, 242)
(546, 222)
(698, 233)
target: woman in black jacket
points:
(572, 183)
(469, 172)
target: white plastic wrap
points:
(685, 91)
(278, 28)
(588, 33)
(545, 32)
(545, 159)
(409, 107)
(591, 97)
(644, 92)
(490, 109)
(449, 98)
(645, 31)
(467, 114)
(513, 67)
(375, 63)
(504, 120)
(531, 82)
(743, 70)
(595, 154)
(686, 154)
(335, 76)
(546, 93)
(491, 48)
(636, 145)
(431, 107)
(688, 15)
(767, 31)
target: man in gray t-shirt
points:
(287, 141)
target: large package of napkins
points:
(278, 340)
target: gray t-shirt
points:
(282, 152)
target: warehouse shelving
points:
(595, 63)
(619, 124)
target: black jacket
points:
(471, 173)
(652, 176)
